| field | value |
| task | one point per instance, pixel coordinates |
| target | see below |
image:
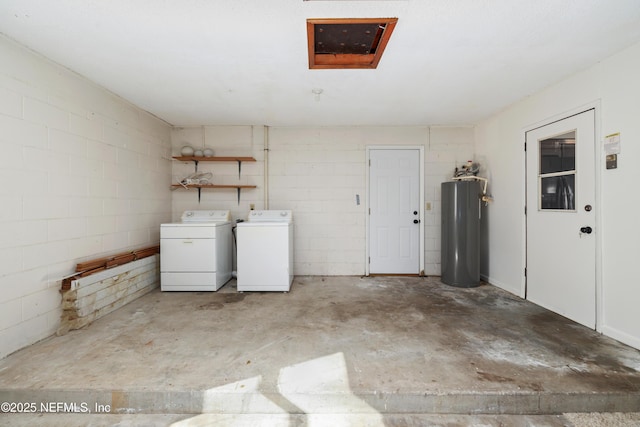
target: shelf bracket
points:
(239, 170)
(196, 163)
(199, 194)
(239, 194)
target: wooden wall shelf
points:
(214, 159)
(187, 186)
(199, 187)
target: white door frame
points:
(421, 210)
(595, 105)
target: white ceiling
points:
(239, 62)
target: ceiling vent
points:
(348, 43)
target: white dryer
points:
(265, 251)
(196, 253)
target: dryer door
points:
(188, 255)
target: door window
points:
(557, 174)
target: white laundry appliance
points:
(265, 251)
(196, 253)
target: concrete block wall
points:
(84, 174)
(226, 141)
(449, 147)
(317, 173)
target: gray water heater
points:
(460, 243)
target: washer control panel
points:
(271, 216)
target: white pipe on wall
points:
(266, 167)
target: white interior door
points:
(394, 211)
(561, 244)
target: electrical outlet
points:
(428, 206)
(252, 206)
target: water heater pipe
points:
(485, 198)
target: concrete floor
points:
(333, 351)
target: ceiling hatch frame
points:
(339, 43)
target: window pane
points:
(558, 154)
(558, 192)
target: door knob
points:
(586, 230)
(416, 221)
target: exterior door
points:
(561, 244)
(394, 211)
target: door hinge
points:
(525, 146)
(525, 272)
(369, 260)
(525, 209)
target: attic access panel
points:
(348, 43)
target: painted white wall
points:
(226, 141)
(615, 85)
(317, 172)
(84, 174)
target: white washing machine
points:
(265, 251)
(196, 253)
